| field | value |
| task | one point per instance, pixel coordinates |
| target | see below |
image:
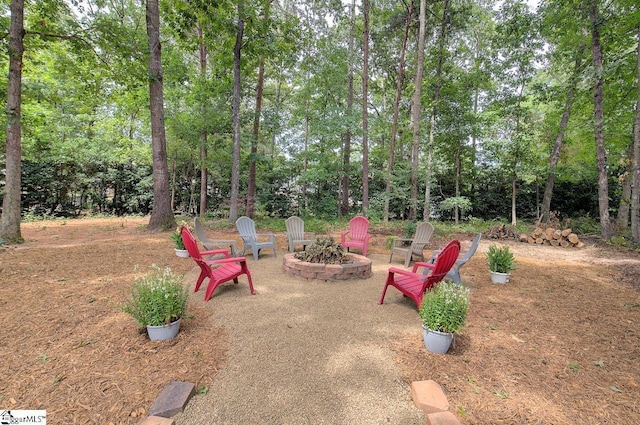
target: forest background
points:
(399, 110)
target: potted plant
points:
(501, 262)
(443, 312)
(157, 301)
(178, 243)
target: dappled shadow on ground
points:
(559, 344)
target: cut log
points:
(580, 244)
(557, 235)
(537, 232)
(554, 242)
(539, 241)
(531, 239)
(565, 243)
(566, 232)
(573, 238)
(549, 231)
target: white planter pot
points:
(435, 341)
(182, 253)
(157, 333)
(497, 277)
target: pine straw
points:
(559, 344)
(67, 348)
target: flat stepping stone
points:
(429, 397)
(442, 418)
(157, 420)
(172, 400)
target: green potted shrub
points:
(443, 312)
(157, 301)
(501, 262)
(178, 243)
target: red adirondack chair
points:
(413, 284)
(229, 268)
(357, 236)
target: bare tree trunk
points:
(601, 154)
(11, 203)
(622, 219)
(365, 107)
(635, 197)
(202, 56)
(235, 172)
(434, 109)
(346, 149)
(161, 215)
(396, 111)
(415, 112)
(557, 147)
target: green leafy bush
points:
(157, 298)
(444, 308)
(500, 260)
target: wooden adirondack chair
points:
(423, 234)
(414, 284)
(228, 268)
(247, 229)
(212, 243)
(356, 236)
(296, 234)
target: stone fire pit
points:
(358, 268)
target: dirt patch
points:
(559, 344)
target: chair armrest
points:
(224, 252)
(228, 260)
(343, 235)
(396, 241)
(271, 236)
(419, 264)
(394, 270)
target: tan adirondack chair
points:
(212, 243)
(423, 234)
(296, 234)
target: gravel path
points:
(307, 352)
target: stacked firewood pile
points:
(501, 231)
(550, 236)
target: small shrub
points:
(157, 298)
(500, 260)
(444, 308)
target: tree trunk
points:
(202, 56)
(162, 215)
(365, 107)
(635, 190)
(346, 149)
(235, 171)
(434, 109)
(396, 111)
(251, 189)
(601, 154)
(11, 201)
(557, 147)
(622, 219)
(415, 112)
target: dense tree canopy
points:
(497, 79)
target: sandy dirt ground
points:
(559, 344)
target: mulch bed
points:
(559, 344)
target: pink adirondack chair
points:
(414, 284)
(357, 236)
(228, 268)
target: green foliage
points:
(176, 237)
(409, 229)
(324, 251)
(444, 308)
(157, 298)
(449, 204)
(501, 259)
